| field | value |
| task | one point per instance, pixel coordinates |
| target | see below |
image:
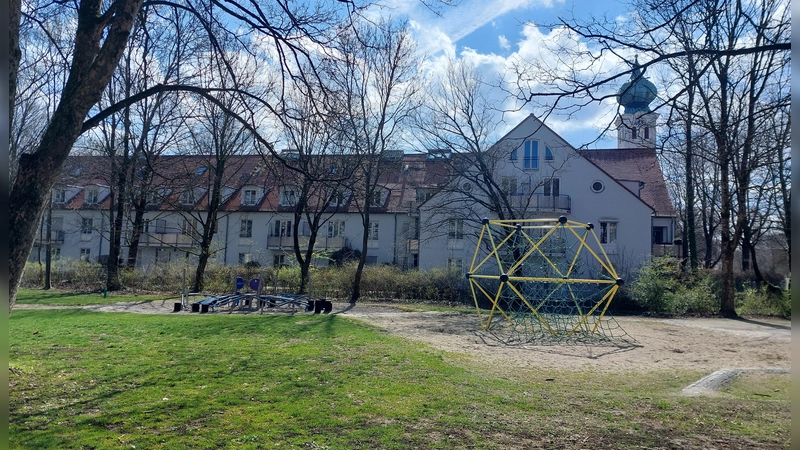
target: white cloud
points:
(503, 41)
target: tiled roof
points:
(636, 164)
(176, 173)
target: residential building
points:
(425, 213)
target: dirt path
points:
(700, 344)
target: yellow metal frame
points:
(581, 231)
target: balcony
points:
(667, 250)
(56, 237)
(322, 243)
(165, 240)
(542, 203)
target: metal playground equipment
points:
(253, 300)
(544, 281)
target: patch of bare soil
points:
(688, 343)
(703, 344)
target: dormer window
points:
(338, 199)
(249, 197)
(187, 198)
(59, 195)
(289, 195)
(377, 198)
(153, 198)
(91, 196)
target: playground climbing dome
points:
(545, 281)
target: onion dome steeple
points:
(638, 92)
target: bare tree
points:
(314, 165)
(101, 32)
(374, 85)
(732, 53)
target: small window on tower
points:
(647, 132)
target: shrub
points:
(655, 285)
(761, 302)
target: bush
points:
(656, 284)
(755, 301)
(661, 287)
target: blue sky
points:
(492, 33)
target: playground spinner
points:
(544, 280)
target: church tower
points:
(636, 126)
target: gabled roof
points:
(635, 164)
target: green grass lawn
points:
(54, 297)
(85, 380)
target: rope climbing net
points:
(544, 281)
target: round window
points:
(467, 186)
(598, 186)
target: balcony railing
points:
(277, 242)
(56, 237)
(667, 250)
(542, 202)
(165, 240)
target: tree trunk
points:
(728, 241)
(97, 51)
(362, 260)
(48, 257)
(136, 233)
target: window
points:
(187, 198)
(513, 156)
(279, 261)
(282, 228)
(377, 198)
(246, 228)
(188, 226)
(86, 226)
(660, 235)
(161, 226)
(608, 232)
(633, 133)
(455, 229)
(59, 196)
(249, 197)
(244, 258)
(289, 196)
(86, 253)
(336, 228)
(455, 264)
(55, 253)
(423, 195)
(91, 196)
(647, 132)
(411, 229)
(548, 154)
(531, 156)
(509, 185)
(372, 232)
(598, 186)
(552, 187)
(337, 199)
(153, 198)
